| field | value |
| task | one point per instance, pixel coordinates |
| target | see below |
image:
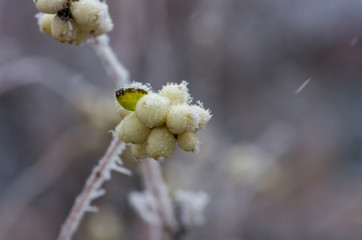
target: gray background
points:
(244, 59)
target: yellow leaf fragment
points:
(128, 97)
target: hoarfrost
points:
(145, 204)
(192, 205)
(137, 85)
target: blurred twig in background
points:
(37, 178)
(166, 227)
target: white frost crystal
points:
(192, 205)
(204, 115)
(74, 21)
(162, 119)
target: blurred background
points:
(278, 161)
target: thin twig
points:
(155, 185)
(92, 189)
(110, 61)
(102, 172)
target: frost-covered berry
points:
(91, 16)
(182, 118)
(176, 93)
(105, 23)
(64, 31)
(188, 142)
(123, 112)
(50, 6)
(154, 120)
(204, 114)
(139, 151)
(132, 130)
(160, 143)
(81, 37)
(81, 19)
(152, 110)
(45, 22)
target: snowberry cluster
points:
(73, 21)
(162, 119)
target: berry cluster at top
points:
(73, 21)
(159, 120)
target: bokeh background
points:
(276, 164)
